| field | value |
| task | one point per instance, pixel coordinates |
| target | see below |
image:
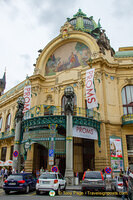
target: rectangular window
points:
(3, 153)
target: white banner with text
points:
(85, 132)
(90, 92)
(27, 97)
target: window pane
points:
(128, 94)
(131, 93)
(123, 96)
(0, 124)
(125, 110)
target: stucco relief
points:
(68, 56)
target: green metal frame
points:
(61, 121)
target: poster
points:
(116, 154)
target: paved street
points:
(67, 195)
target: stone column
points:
(18, 117)
(69, 175)
(69, 94)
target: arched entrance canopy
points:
(38, 122)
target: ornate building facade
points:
(81, 45)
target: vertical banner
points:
(90, 92)
(116, 154)
(27, 97)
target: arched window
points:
(8, 121)
(0, 124)
(63, 103)
(127, 99)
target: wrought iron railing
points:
(127, 119)
(43, 110)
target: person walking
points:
(130, 184)
(5, 173)
(125, 186)
(41, 171)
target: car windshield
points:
(93, 175)
(15, 177)
(48, 176)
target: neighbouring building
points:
(103, 136)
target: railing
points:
(43, 110)
(8, 134)
(127, 119)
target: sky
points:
(29, 25)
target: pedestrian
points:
(128, 171)
(125, 186)
(37, 173)
(10, 171)
(5, 173)
(41, 171)
(22, 171)
(130, 184)
(121, 173)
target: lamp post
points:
(18, 118)
(69, 94)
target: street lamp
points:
(69, 94)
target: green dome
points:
(86, 24)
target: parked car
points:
(50, 181)
(93, 181)
(24, 182)
(117, 184)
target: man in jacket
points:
(130, 184)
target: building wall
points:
(111, 75)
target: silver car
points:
(93, 180)
(50, 181)
(117, 184)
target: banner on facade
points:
(85, 132)
(27, 97)
(116, 154)
(90, 92)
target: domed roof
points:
(86, 24)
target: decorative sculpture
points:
(20, 107)
(69, 94)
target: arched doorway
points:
(40, 158)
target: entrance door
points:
(88, 154)
(40, 157)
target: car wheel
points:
(37, 192)
(27, 189)
(58, 191)
(7, 192)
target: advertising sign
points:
(116, 154)
(90, 92)
(85, 132)
(27, 97)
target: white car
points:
(50, 181)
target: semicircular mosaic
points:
(70, 55)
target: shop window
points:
(127, 99)
(63, 103)
(8, 121)
(0, 124)
(3, 154)
(11, 154)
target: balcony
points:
(48, 110)
(127, 119)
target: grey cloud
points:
(123, 9)
(26, 59)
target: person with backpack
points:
(130, 184)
